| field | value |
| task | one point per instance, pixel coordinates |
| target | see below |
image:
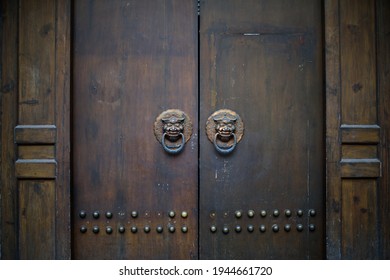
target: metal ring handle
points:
(169, 149)
(225, 150)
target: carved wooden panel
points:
(356, 166)
(35, 177)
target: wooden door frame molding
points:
(35, 103)
(357, 159)
(350, 190)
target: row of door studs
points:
(213, 229)
(184, 214)
(134, 214)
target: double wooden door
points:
(133, 60)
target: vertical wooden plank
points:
(333, 142)
(44, 86)
(383, 59)
(358, 69)
(133, 60)
(37, 219)
(62, 121)
(8, 196)
(245, 46)
(36, 62)
(358, 107)
(360, 220)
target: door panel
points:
(131, 61)
(263, 60)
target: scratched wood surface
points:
(132, 61)
(265, 63)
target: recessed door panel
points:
(263, 60)
(133, 60)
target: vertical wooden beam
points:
(43, 119)
(9, 91)
(357, 52)
(383, 68)
(333, 137)
(62, 121)
(356, 158)
(359, 108)
(36, 107)
(36, 62)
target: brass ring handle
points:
(223, 150)
(173, 128)
(173, 149)
(225, 129)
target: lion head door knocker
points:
(173, 128)
(224, 128)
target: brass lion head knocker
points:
(173, 127)
(222, 128)
(170, 127)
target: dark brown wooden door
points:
(263, 60)
(133, 60)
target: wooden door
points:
(133, 60)
(263, 60)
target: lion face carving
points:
(225, 125)
(173, 126)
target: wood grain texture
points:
(359, 236)
(37, 219)
(245, 49)
(333, 135)
(9, 92)
(36, 168)
(359, 219)
(358, 134)
(35, 134)
(360, 168)
(36, 62)
(383, 59)
(36, 151)
(62, 121)
(359, 151)
(133, 61)
(357, 56)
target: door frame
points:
(36, 117)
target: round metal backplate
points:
(158, 124)
(210, 125)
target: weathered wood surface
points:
(35, 152)
(263, 60)
(133, 61)
(357, 125)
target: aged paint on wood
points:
(265, 63)
(132, 61)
